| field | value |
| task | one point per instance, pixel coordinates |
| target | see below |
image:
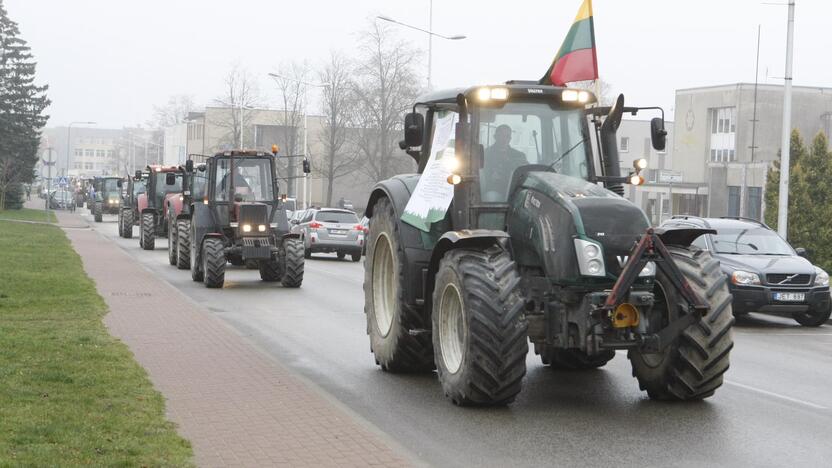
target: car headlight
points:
(648, 270)
(246, 227)
(590, 258)
(744, 278)
(821, 277)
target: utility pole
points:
(785, 147)
(49, 177)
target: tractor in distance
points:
(163, 186)
(537, 245)
(107, 197)
(131, 188)
(243, 220)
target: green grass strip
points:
(70, 394)
(26, 214)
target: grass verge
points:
(70, 394)
(26, 214)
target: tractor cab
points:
(128, 216)
(163, 188)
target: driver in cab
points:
(500, 162)
(241, 186)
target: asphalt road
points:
(775, 408)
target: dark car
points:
(61, 200)
(765, 274)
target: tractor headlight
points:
(648, 270)
(745, 278)
(261, 228)
(246, 227)
(821, 277)
(590, 258)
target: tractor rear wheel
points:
(479, 333)
(574, 359)
(147, 232)
(213, 262)
(270, 270)
(293, 263)
(172, 255)
(399, 338)
(691, 367)
(196, 266)
(183, 244)
(127, 220)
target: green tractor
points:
(534, 242)
(107, 197)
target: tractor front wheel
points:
(399, 338)
(213, 263)
(183, 244)
(127, 221)
(147, 232)
(692, 366)
(479, 332)
(270, 270)
(172, 247)
(293, 263)
(196, 266)
(98, 214)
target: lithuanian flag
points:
(576, 59)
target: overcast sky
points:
(110, 61)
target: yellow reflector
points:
(625, 315)
(454, 179)
(636, 180)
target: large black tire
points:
(813, 318)
(172, 246)
(356, 257)
(120, 223)
(307, 253)
(127, 217)
(692, 367)
(389, 319)
(98, 216)
(479, 330)
(213, 263)
(294, 263)
(183, 244)
(575, 359)
(196, 265)
(270, 271)
(147, 232)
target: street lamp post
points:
(305, 124)
(430, 34)
(68, 141)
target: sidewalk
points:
(236, 405)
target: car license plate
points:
(790, 297)
(339, 232)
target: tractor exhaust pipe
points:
(609, 145)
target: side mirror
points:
(189, 165)
(119, 183)
(307, 168)
(170, 178)
(801, 252)
(414, 128)
(201, 168)
(138, 175)
(658, 135)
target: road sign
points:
(62, 182)
(670, 177)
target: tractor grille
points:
(256, 242)
(788, 279)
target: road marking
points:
(776, 395)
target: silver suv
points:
(331, 230)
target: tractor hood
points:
(597, 213)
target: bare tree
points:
(241, 92)
(385, 86)
(174, 112)
(339, 158)
(290, 79)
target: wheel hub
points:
(385, 285)
(451, 328)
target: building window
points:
(733, 201)
(723, 134)
(89, 153)
(111, 154)
(624, 146)
(100, 154)
(755, 202)
(79, 152)
(88, 166)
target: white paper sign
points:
(433, 193)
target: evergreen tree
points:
(813, 197)
(798, 150)
(22, 104)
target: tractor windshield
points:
(111, 186)
(252, 180)
(529, 133)
(200, 186)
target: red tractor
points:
(163, 194)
